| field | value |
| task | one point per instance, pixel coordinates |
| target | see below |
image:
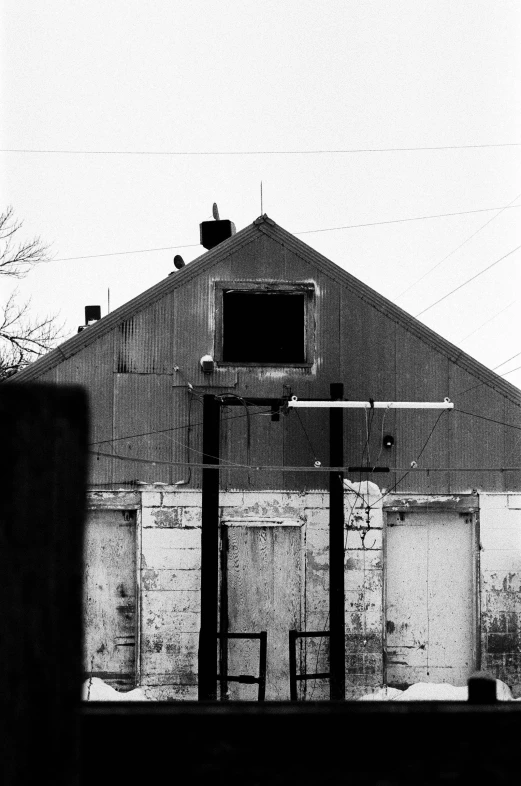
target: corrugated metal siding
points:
(512, 458)
(475, 442)
(138, 375)
(421, 375)
(92, 368)
(145, 341)
(368, 371)
(143, 405)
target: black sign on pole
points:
(207, 682)
(336, 548)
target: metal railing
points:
(245, 679)
(293, 676)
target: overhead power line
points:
(401, 220)
(303, 232)
(457, 248)
(468, 281)
(483, 417)
(254, 152)
(486, 323)
(507, 361)
(268, 468)
(122, 253)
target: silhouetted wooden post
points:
(43, 471)
(336, 548)
(207, 656)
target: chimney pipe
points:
(92, 314)
(214, 232)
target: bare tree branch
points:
(23, 337)
(17, 258)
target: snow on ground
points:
(94, 689)
(432, 691)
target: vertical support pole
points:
(336, 548)
(293, 665)
(262, 664)
(207, 682)
(223, 618)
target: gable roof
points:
(245, 236)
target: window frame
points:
(305, 288)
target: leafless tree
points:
(23, 337)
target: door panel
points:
(263, 588)
(109, 602)
(430, 597)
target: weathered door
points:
(261, 590)
(109, 596)
(430, 597)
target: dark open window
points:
(264, 327)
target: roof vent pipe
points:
(92, 314)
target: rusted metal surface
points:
(430, 591)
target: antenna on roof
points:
(215, 211)
(261, 197)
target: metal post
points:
(336, 548)
(293, 665)
(207, 681)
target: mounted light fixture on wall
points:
(207, 364)
(388, 441)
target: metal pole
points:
(207, 681)
(336, 548)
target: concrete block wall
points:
(500, 569)
(170, 593)
(170, 575)
(364, 590)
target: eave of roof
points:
(311, 256)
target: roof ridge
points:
(244, 237)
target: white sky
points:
(122, 75)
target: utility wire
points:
(389, 491)
(304, 232)
(479, 384)
(486, 323)
(507, 361)
(172, 428)
(254, 152)
(483, 417)
(276, 468)
(457, 248)
(253, 414)
(468, 281)
(401, 220)
(510, 372)
(121, 253)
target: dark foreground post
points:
(43, 469)
(482, 688)
(207, 666)
(336, 549)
